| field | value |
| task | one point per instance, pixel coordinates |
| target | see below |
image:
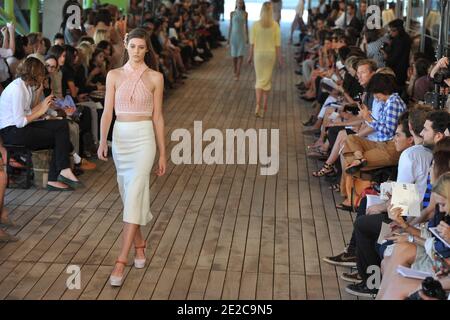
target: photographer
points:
(397, 50)
(441, 71)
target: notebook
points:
(413, 274)
(436, 234)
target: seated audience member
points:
(413, 166)
(417, 248)
(419, 82)
(58, 40)
(22, 50)
(367, 227)
(18, 125)
(36, 41)
(359, 152)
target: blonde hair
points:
(442, 187)
(101, 35)
(266, 17)
(85, 51)
(386, 70)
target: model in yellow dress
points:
(265, 40)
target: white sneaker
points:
(198, 59)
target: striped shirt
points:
(427, 196)
(386, 124)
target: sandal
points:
(327, 169)
(344, 207)
(356, 165)
(336, 187)
(140, 263)
(319, 154)
(116, 281)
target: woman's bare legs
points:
(128, 237)
(235, 66)
(239, 66)
(259, 93)
(139, 241)
(265, 99)
(334, 155)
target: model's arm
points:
(158, 121)
(230, 28)
(107, 116)
(246, 27)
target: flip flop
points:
(344, 207)
(354, 168)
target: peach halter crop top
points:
(132, 96)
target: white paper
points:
(373, 200)
(437, 235)
(406, 196)
(334, 116)
(385, 189)
(329, 82)
(384, 233)
(413, 274)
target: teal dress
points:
(238, 36)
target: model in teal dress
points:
(238, 36)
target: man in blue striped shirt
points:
(359, 152)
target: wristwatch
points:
(410, 238)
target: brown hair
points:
(418, 116)
(150, 58)
(32, 71)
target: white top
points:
(413, 167)
(15, 104)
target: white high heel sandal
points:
(114, 280)
(140, 263)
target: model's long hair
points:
(266, 18)
(150, 59)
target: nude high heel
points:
(140, 263)
(117, 281)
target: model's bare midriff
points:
(131, 118)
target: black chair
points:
(27, 171)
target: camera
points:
(431, 288)
(441, 76)
(437, 100)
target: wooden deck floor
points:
(219, 232)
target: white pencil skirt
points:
(134, 149)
